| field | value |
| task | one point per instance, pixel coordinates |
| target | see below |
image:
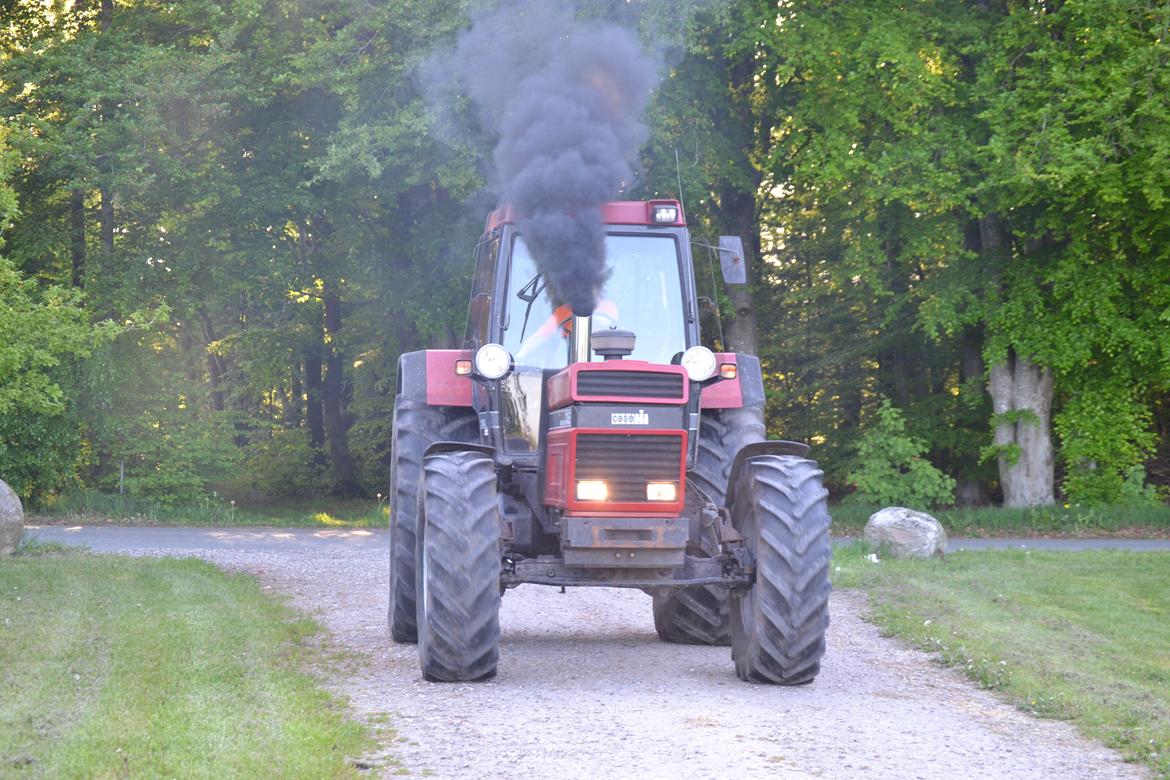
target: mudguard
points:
(459, 446)
(429, 376)
(746, 390)
(749, 451)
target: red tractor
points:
(608, 450)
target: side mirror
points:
(731, 260)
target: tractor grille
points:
(628, 461)
(631, 384)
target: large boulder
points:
(11, 519)
(905, 533)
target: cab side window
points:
(479, 309)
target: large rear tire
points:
(458, 572)
(699, 615)
(416, 427)
(778, 626)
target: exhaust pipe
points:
(580, 351)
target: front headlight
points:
(699, 363)
(592, 490)
(492, 361)
(661, 491)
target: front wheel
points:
(458, 571)
(778, 626)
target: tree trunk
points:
(1021, 399)
(970, 491)
(214, 364)
(191, 350)
(740, 331)
(1021, 402)
(107, 226)
(77, 237)
(345, 478)
(895, 373)
(737, 199)
(106, 205)
(971, 347)
(294, 408)
(314, 410)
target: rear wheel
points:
(416, 427)
(699, 615)
(778, 626)
(458, 573)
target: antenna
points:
(678, 173)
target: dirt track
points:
(586, 690)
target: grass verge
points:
(115, 666)
(1083, 637)
(93, 507)
(1060, 520)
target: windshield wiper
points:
(529, 293)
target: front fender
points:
(755, 450)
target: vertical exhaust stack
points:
(580, 350)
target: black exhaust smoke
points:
(566, 100)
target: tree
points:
(41, 330)
(711, 122)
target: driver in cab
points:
(605, 315)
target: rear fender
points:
(429, 376)
(459, 446)
(747, 389)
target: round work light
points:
(699, 363)
(492, 361)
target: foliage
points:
(890, 469)
(214, 509)
(1135, 492)
(40, 453)
(157, 441)
(39, 330)
(43, 328)
(282, 466)
(922, 188)
(1106, 437)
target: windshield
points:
(643, 295)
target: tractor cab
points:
(649, 295)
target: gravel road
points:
(586, 690)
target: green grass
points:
(120, 667)
(91, 506)
(1083, 637)
(1057, 520)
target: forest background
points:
(224, 221)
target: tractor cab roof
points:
(655, 213)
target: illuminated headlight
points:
(592, 490)
(661, 491)
(699, 363)
(492, 361)
(664, 215)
